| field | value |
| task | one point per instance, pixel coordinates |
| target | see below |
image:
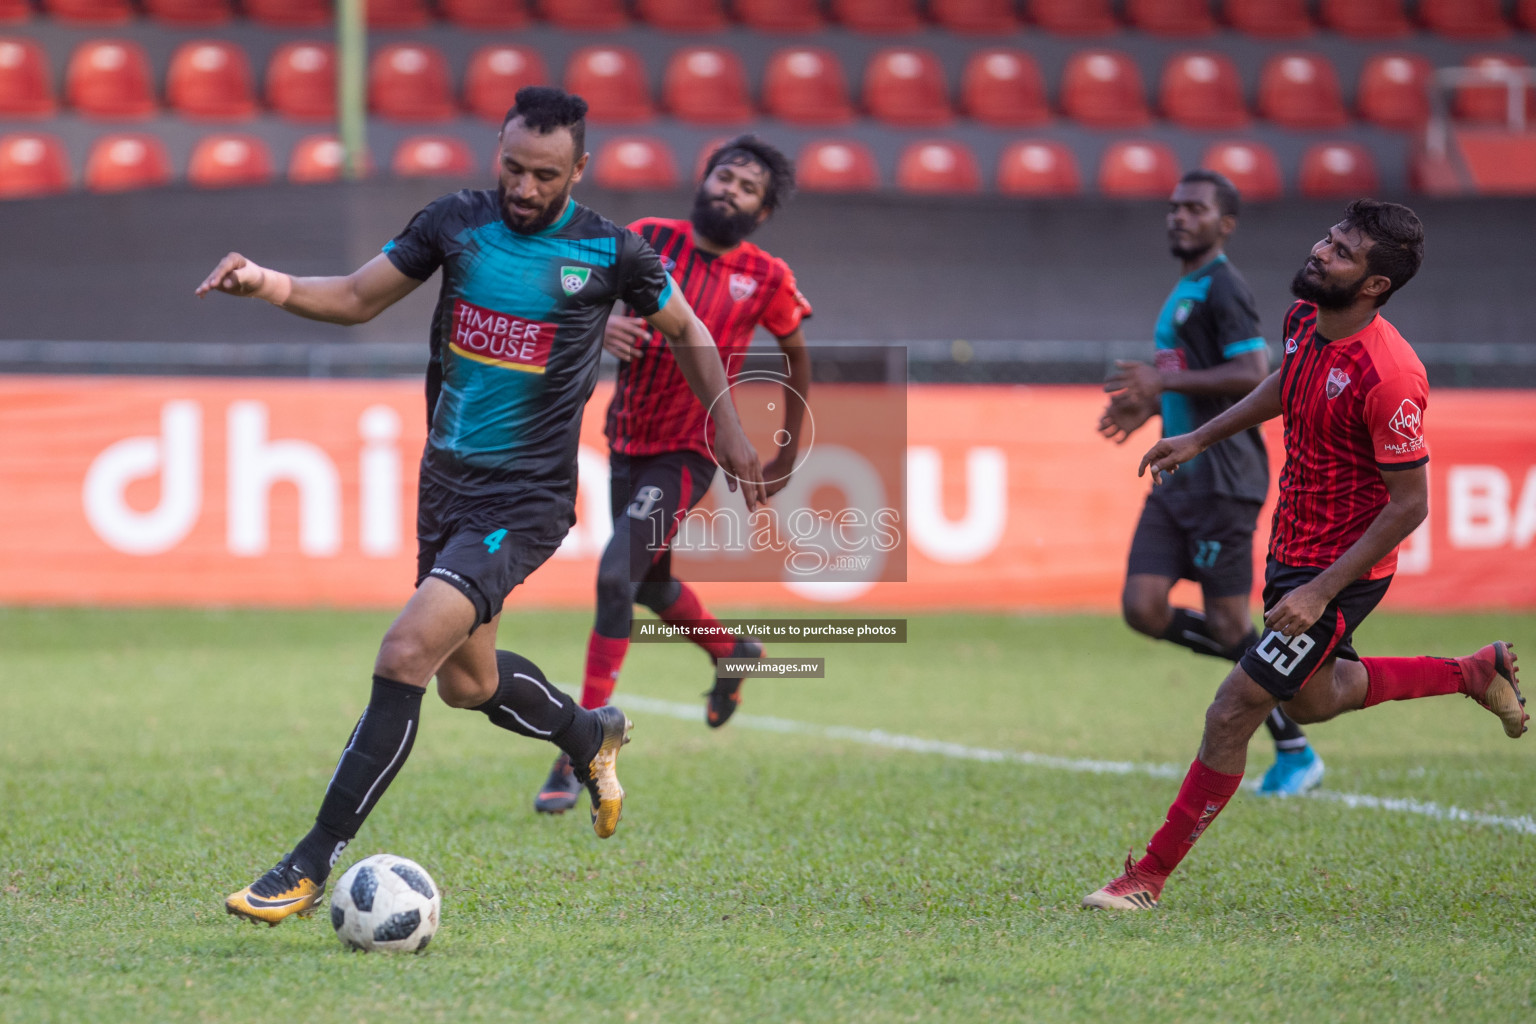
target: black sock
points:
(530, 705)
(1187, 629)
(1286, 733)
(380, 743)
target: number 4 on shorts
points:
(493, 541)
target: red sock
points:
(1201, 797)
(605, 655)
(1408, 678)
(705, 629)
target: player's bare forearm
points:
(1259, 405)
(1234, 378)
(1406, 508)
(353, 299)
(798, 387)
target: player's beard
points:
(539, 221)
(726, 226)
(1190, 253)
(1323, 294)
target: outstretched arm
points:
(796, 388)
(354, 299)
(1262, 403)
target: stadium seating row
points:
(1483, 19)
(905, 87)
(36, 163)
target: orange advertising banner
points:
(172, 491)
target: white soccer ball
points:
(386, 902)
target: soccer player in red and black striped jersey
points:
(1355, 484)
(659, 433)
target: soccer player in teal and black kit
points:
(529, 278)
(1199, 526)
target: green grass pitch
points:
(153, 761)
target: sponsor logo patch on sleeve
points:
(1407, 422)
(500, 339)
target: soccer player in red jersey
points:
(659, 433)
(1353, 396)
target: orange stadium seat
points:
(877, 15)
(1464, 19)
(1171, 17)
(1037, 167)
(1072, 17)
(398, 13)
(433, 156)
(190, 12)
(1301, 90)
(1337, 170)
(612, 81)
(1251, 166)
(1489, 104)
(905, 87)
(707, 85)
(837, 165)
(780, 15)
(1394, 90)
(584, 15)
(95, 12)
(318, 158)
(978, 17)
(1269, 19)
(682, 15)
(1366, 19)
(110, 78)
(32, 164)
(26, 81)
(229, 161)
(1202, 90)
(1102, 88)
(410, 82)
(210, 79)
(119, 163)
(14, 10)
(1004, 88)
(806, 86)
(938, 166)
(287, 13)
(301, 81)
(485, 13)
(494, 75)
(1138, 170)
(635, 162)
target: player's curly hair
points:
(544, 108)
(750, 148)
(1397, 240)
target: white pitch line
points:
(917, 745)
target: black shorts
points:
(487, 544)
(1283, 666)
(1205, 538)
(648, 494)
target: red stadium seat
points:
(1337, 170)
(1301, 90)
(485, 13)
(494, 75)
(1394, 90)
(1072, 17)
(806, 86)
(612, 81)
(1251, 166)
(979, 17)
(287, 13)
(837, 165)
(229, 161)
(14, 11)
(1525, 14)
(705, 152)
(1003, 88)
(1464, 19)
(584, 15)
(210, 79)
(682, 15)
(398, 13)
(1138, 170)
(780, 15)
(1102, 88)
(707, 85)
(938, 166)
(433, 156)
(1171, 17)
(26, 82)
(1489, 104)
(1366, 19)
(1269, 19)
(119, 163)
(1038, 168)
(190, 12)
(410, 82)
(319, 158)
(110, 78)
(32, 164)
(877, 15)
(93, 12)
(635, 163)
(1203, 90)
(906, 88)
(301, 81)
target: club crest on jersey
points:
(1290, 345)
(742, 286)
(1182, 310)
(1408, 420)
(1338, 380)
(574, 279)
